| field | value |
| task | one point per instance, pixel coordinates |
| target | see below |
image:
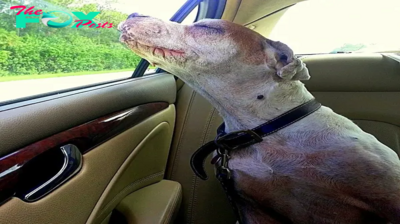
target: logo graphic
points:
(47, 17)
(30, 16)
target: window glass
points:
(45, 52)
(331, 26)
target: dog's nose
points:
(135, 14)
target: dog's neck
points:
(241, 106)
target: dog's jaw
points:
(155, 52)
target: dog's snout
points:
(135, 14)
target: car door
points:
(83, 149)
(65, 157)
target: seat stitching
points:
(204, 135)
(174, 203)
(179, 145)
(168, 213)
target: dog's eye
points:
(202, 26)
(209, 29)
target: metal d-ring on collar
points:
(222, 156)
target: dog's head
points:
(209, 47)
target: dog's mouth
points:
(152, 50)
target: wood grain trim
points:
(86, 137)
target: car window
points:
(332, 26)
(42, 50)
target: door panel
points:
(144, 166)
(43, 117)
(154, 204)
(123, 130)
(17, 168)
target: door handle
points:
(72, 164)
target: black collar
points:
(244, 138)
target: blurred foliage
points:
(347, 47)
(39, 49)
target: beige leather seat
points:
(364, 88)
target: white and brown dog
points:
(321, 169)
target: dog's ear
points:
(295, 70)
(282, 59)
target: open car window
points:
(336, 26)
(56, 45)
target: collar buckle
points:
(257, 138)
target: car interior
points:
(119, 152)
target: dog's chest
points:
(271, 163)
(316, 185)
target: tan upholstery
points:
(353, 73)
(365, 88)
(203, 201)
(156, 204)
(74, 201)
(250, 11)
(231, 9)
(141, 168)
(266, 25)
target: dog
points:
(320, 169)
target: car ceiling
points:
(259, 15)
(253, 10)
